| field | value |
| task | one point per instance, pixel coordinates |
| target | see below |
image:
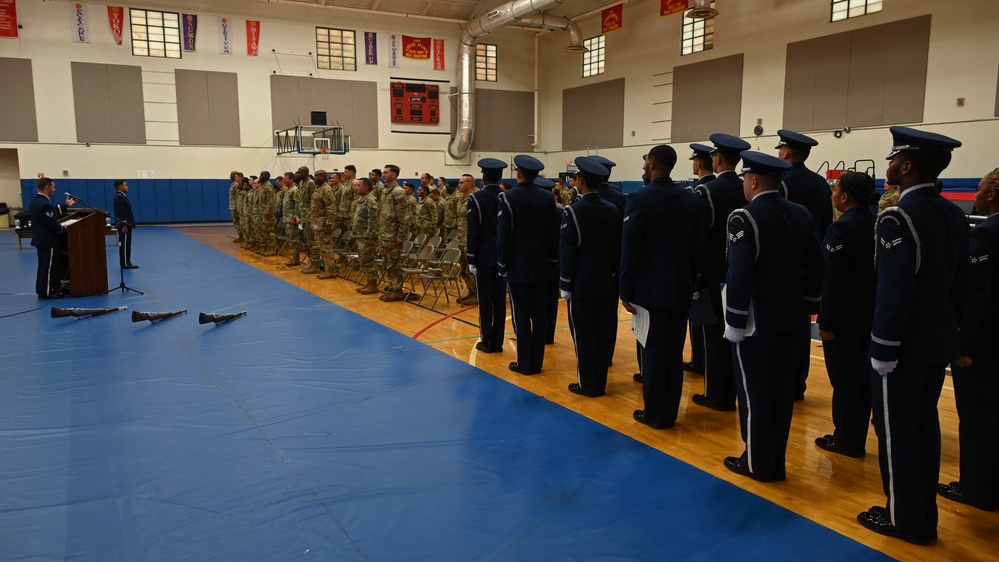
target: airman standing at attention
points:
(306, 189)
(365, 232)
(701, 167)
(481, 219)
(395, 223)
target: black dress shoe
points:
(640, 417)
(637, 377)
(828, 442)
(954, 491)
(702, 400)
(690, 366)
(131, 266)
(49, 297)
(736, 465)
(880, 523)
(481, 346)
(516, 368)
(576, 389)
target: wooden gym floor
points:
(827, 488)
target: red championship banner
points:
(252, 37)
(116, 18)
(438, 54)
(670, 7)
(8, 18)
(416, 47)
(610, 18)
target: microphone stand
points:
(117, 222)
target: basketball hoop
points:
(324, 153)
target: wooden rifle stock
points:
(218, 319)
(154, 316)
(83, 312)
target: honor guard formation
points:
(742, 259)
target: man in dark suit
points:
(847, 312)
(921, 265)
(589, 256)
(774, 278)
(719, 197)
(526, 255)
(659, 260)
(126, 223)
(804, 187)
(45, 234)
(481, 215)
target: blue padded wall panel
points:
(196, 201)
(100, 194)
(210, 198)
(164, 201)
(29, 187)
(145, 211)
(78, 187)
(180, 205)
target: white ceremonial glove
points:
(566, 295)
(883, 367)
(696, 296)
(472, 269)
(734, 335)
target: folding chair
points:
(440, 279)
(418, 266)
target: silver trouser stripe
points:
(891, 468)
(48, 274)
(739, 312)
(749, 408)
(878, 340)
(579, 379)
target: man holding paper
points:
(659, 259)
(774, 281)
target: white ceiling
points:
(457, 10)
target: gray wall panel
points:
(223, 103)
(109, 103)
(601, 106)
(18, 121)
(504, 121)
(349, 103)
(192, 107)
(707, 98)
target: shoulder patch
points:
(979, 259)
(888, 245)
(833, 249)
(735, 237)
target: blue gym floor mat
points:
(303, 431)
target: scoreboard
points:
(415, 103)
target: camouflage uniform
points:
(450, 212)
(365, 232)
(289, 212)
(243, 212)
(265, 209)
(395, 222)
(344, 199)
(462, 227)
(306, 189)
(323, 216)
(426, 216)
(233, 199)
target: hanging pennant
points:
(394, 51)
(8, 18)
(670, 7)
(370, 47)
(438, 54)
(190, 31)
(80, 22)
(611, 18)
(225, 36)
(252, 37)
(416, 47)
(116, 19)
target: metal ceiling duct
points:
(522, 12)
(702, 9)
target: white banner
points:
(80, 22)
(394, 51)
(225, 36)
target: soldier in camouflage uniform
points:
(395, 223)
(426, 213)
(345, 198)
(323, 217)
(289, 212)
(378, 188)
(451, 200)
(438, 199)
(306, 188)
(365, 232)
(466, 186)
(243, 211)
(236, 183)
(266, 211)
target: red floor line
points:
(436, 322)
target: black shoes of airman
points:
(693, 368)
(481, 346)
(954, 491)
(576, 389)
(640, 417)
(637, 377)
(739, 466)
(879, 521)
(702, 400)
(828, 442)
(516, 368)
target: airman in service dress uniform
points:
(481, 217)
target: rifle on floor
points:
(218, 319)
(154, 317)
(83, 312)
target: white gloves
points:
(734, 335)
(883, 367)
(566, 295)
(472, 269)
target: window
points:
(485, 62)
(155, 34)
(846, 9)
(698, 35)
(335, 49)
(593, 58)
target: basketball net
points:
(324, 154)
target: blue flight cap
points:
(795, 140)
(906, 138)
(491, 164)
(645, 157)
(763, 164)
(544, 183)
(529, 164)
(609, 164)
(590, 165)
(728, 143)
(702, 150)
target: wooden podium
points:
(84, 256)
